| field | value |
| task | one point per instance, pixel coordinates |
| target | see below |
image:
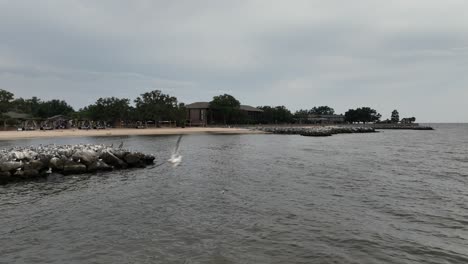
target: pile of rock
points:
(31, 162)
(402, 126)
(318, 131)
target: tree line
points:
(157, 106)
(34, 106)
(154, 105)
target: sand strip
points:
(12, 135)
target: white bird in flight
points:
(176, 158)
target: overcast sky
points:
(410, 55)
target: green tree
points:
(363, 114)
(408, 120)
(395, 118)
(352, 116)
(227, 106)
(301, 116)
(322, 110)
(274, 115)
(6, 99)
(53, 107)
(21, 105)
(5, 104)
(28, 106)
(157, 106)
(108, 109)
(34, 105)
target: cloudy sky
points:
(411, 55)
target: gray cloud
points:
(409, 55)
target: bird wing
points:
(176, 150)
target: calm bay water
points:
(390, 197)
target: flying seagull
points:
(176, 158)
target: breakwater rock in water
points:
(402, 126)
(319, 131)
(32, 162)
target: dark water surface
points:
(390, 197)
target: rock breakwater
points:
(38, 161)
(319, 131)
(402, 126)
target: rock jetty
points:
(402, 126)
(38, 161)
(318, 131)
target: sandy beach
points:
(12, 135)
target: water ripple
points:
(392, 197)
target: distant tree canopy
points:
(316, 110)
(225, 101)
(53, 107)
(157, 106)
(29, 106)
(408, 120)
(395, 118)
(363, 114)
(107, 109)
(5, 100)
(302, 115)
(227, 106)
(274, 115)
(322, 110)
(43, 109)
(151, 106)
(154, 106)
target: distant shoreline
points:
(15, 135)
(261, 129)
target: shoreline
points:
(110, 132)
(265, 129)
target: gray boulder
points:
(45, 158)
(18, 155)
(34, 165)
(10, 166)
(148, 159)
(72, 167)
(119, 153)
(112, 160)
(56, 163)
(99, 166)
(87, 157)
(134, 159)
(24, 155)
